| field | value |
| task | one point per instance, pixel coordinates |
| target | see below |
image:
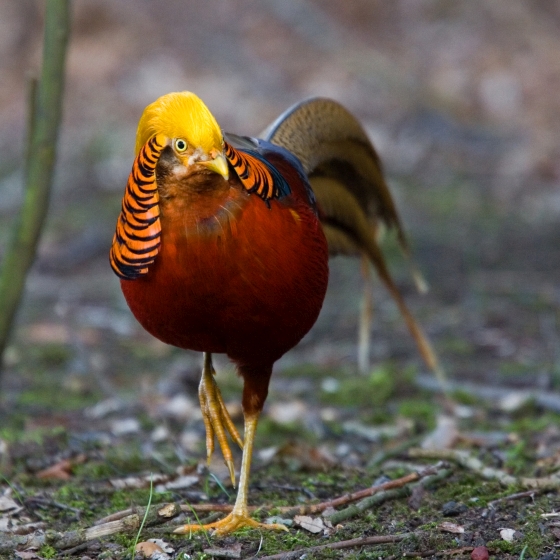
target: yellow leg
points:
(239, 517)
(366, 315)
(216, 417)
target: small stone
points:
(451, 509)
(288, 412)
(159, 434)
(125, 426)
(480, 553)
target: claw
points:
(217, 420)
(239, 517)
(229, 524)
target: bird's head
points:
(184, 123)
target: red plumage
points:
(234, 275)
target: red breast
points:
(234, 275)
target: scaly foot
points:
(229, 524)
(216, 417)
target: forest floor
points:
(99, 420)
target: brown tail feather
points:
(353, 198)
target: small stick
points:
(363, 541)
(467, 461)
(379, 498)
(71, 539)
(318, 508)
(114, 516)
(46, 502)
(389, 453)
(354, 496)
(516, 496)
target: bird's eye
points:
(180, 145)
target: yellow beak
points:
(218, 165)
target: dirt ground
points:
(461, 102)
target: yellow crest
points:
(180, 115)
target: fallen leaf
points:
(148, 549)
(311, 524)
(60, 471)
(451, 527)
(507, 534)
(7, 504)
(165, 546)
(27, 555)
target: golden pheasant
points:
(222, 247)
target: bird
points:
(223, 241)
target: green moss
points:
(421, 411)
(515, 369)
(501, 545)
(312, 371)
(517, 457)
(36, 435)
(273, 433)
(47, 551)
(123, 499)
(464, 397)
(372, 391)
(456, 346)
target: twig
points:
(381, 456)
(318, 508)
(288, 488)
(516, 496)
(52, 503)
(355, 496)
(44, 114)
(155, 515)
(352, 543)
(467, 461)
(223, 508)
(379, 498)
(114, 516)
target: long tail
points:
(353, 198)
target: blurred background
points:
(460, 98)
